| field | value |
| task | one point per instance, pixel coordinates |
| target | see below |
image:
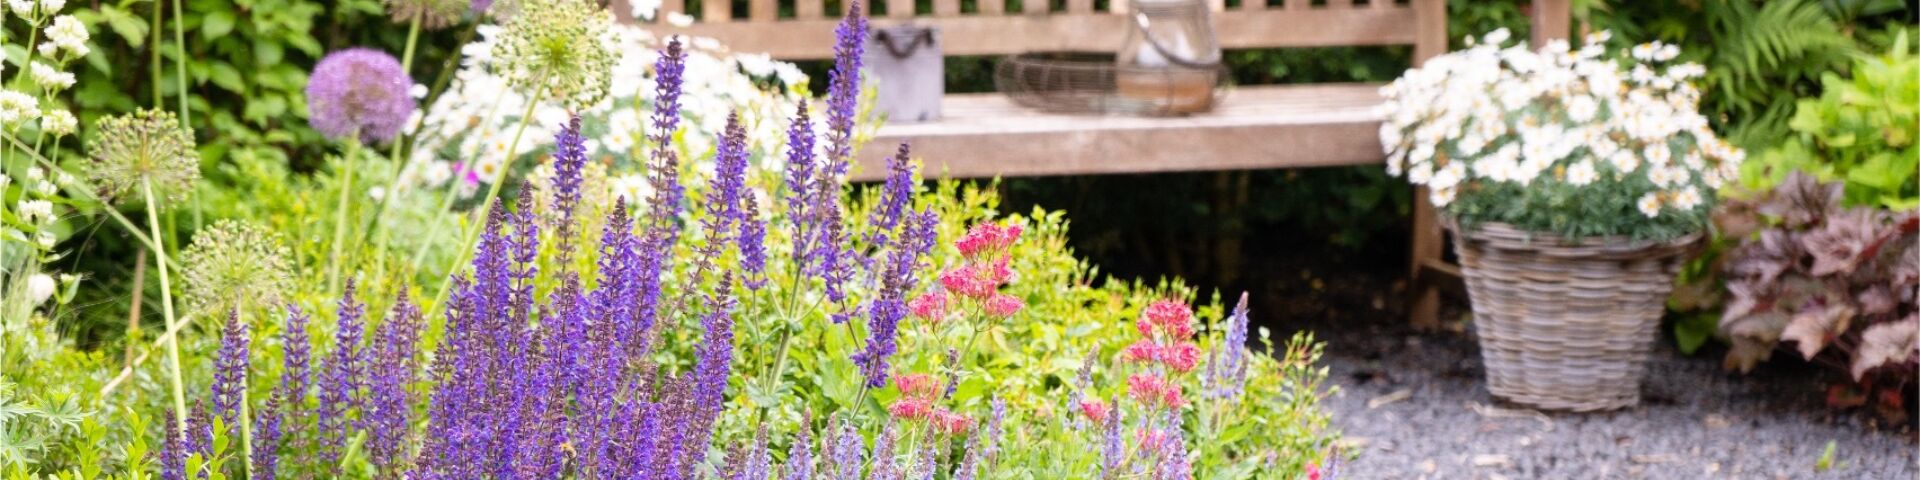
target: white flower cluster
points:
(34, 209)
(63, 40)
(1494, 114)
(464, 135)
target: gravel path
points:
(1433, 418)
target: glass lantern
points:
(1170, 61)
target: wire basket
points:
(1091, 83)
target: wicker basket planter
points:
(1566, 325)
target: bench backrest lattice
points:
(803, 29)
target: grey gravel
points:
(1694, 422)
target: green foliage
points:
(1761, 56)
(1861, 130)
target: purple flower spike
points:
(359, 91)
(266, 440)
(1112, 449)
(1226, 374)
(800, 178)
(341, 378)
(894, 197)
(387, 418)
(569, 157)
(843, 93)
(800, 454)
(230, 373)
(753, 243)
(296, 377)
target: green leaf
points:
(225, 76)
(267, 53)
(1692, 331)
(129, 27)
(217, 23)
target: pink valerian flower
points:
(988, 238)
(1095, 410)
(1154, 391)
(1003, 305)
(917, 385)
(951, 423)
(1180, 357)
(910, 409)
(1170, 317)
(931, 306)
(968, 280)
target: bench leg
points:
(1423, 306)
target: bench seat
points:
(1258, 127)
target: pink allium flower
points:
(931, 306)
(1003, 305)
(1095, 410)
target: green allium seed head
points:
(558, 49)
(145, 145)
(236, 265)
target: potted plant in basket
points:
(1574, 182)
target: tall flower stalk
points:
(141, 150)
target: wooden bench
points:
(1253, 127)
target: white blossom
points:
(1582, 173)
(59, 123)
(40, 287)
(1649, 205)
(16, 107)
(50, 78)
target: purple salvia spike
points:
(995, 424)
(929, 464)
(266, 440)
(886, 311)
(1112, 451)
(295, 365)
(230, 373)
(173, 454)
(800, 176)
(663, 174)
(569, 158)
(895, 194)
(387, 419)
(847, 452)
(884, 467)
(342, 377)
(1173, 465)
(800, 454)
(970, 462)
(843, 93)
(752, 241)
(199, 438)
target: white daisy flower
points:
(1649, 205)
(1582, 173)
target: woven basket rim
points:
(1506, 236)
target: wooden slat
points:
(763, 11)
(1430, 29)
(1339, 3)
(946, 8)
(716, 11)
(982, 35)
(1296, 4)
(1079, 6)
(899, 8)
(1217, 5)
(1552, 20)
(985, 135)
(669, 7)
(992, 7)
(1381, 4)
(802, 10)
(1033, 7)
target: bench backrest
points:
(805, 30)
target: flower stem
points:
(340, 214)
(180, 66)
(166, 308)
(486, 204)
(393, 152)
